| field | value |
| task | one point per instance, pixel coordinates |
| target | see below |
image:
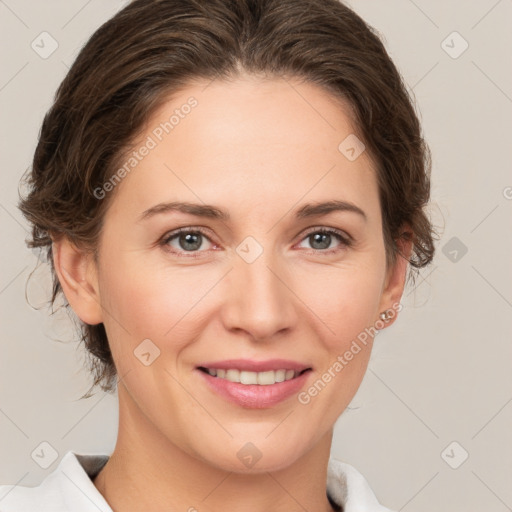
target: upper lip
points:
(251, 365)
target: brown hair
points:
(154, 48)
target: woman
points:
(230, 194)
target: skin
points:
(258, 149)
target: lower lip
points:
(255, 396)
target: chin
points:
(261, 455)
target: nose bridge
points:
(261, 302)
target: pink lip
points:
(255, 396)
(250, 365)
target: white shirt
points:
(69, 488)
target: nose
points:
(259, 298)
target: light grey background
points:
(441, 374)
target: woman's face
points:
(256, 287)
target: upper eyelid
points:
(340, 232)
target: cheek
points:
(345, 307)
(345, 299)
(153, 301)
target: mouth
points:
(266, 378)
(255, 384)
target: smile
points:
(266, 378)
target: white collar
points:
(69, 488)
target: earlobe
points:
(395, 279)
(77, 274)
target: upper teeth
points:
(262, 378)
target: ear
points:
(396, 276)
(77, 273)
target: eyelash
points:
(346, 240)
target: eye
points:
(190, 240)
(185, 240)
(321, 238)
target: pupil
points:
(190, 238)
(317, 237)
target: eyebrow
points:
(212, 212)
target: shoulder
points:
(350, 489)
(68, 488)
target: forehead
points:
(248, 141)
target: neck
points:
(147, 471)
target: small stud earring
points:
(386, 315)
